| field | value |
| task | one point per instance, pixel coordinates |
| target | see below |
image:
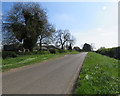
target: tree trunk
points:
(62, 46)
(40, 44)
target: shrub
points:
(33, 53)
(46, 52)
(6, 54)
(77, 49)
(42, 52)
(67, 51)
(25, 53)
(56, 51)
(36, 48)
(29, 53)
(111, 52)
(63, 51)
(52, 51)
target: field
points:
(10, 63)
(99, 75)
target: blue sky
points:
(88, 22)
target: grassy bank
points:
(24, 60)
(99, 75)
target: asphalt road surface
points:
(52, 77)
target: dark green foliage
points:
(6, 54)
(33, 53)
(70, 47)
(25, 22)
(13, 47)
(63, 51)
(43, 52)
(111, 52)
(56, 51)
(9, 54)
(29, 43)
(77, 49)
(87, 47)
(25, 53)
(52, 51)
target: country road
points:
(52, 77)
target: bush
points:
(56, 51)
(46, 52)
(67, 51)
(36, 48)
(111, 52)
(41, 52)
(6, 54)
(63, 51)
(52, 51)
(25, 53)
(60, 51)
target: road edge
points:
(32, 64)
(73, 82)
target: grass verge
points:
(10, 63)
(99, 75)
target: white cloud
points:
(104, 7)
(98, 29)
(101, 37)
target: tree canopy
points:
(87, 47)
(27, 22)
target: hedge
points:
(111, 52)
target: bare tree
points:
(64, 37)
(46, 35)
(71, 42)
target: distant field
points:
(99, 75)
(10, 63)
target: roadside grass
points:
(10, 63)
(99, 75)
